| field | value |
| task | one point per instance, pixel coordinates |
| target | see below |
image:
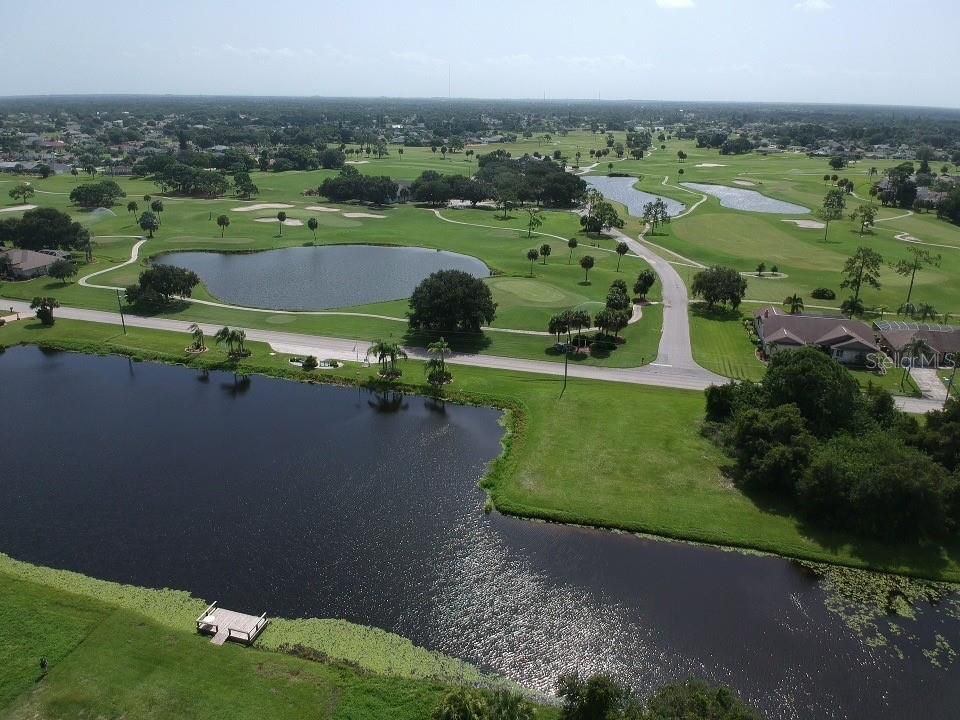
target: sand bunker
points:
(262, 206)
(363, 215)
(745, 183)
(809, 224)
(709, 165)
(17, 208)
(289, 221)
(321, 208)
(356, 162)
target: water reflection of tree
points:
(204, 376)
(435, 404)
(388, 401)
(239, 386)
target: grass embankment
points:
(604, 454)
(120, 651)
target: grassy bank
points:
(120, 651)
(604, 454)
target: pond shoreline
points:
(313, 277)
(499, 469)
(488, 575)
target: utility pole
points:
(953, 376)
(120, 306)
(566, 360)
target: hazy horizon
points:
(755, 51)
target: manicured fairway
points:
(605, 454)
(526, 296)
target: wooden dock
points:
(229, 625)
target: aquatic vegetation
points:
(877, 607)
(368, 648)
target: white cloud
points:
(676, 4)
(603, 61)
(812, 5)
(509, 60)
(417, 58)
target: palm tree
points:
(793, 303)
(238, 337)
(224, 336)
(197, 333)
(313, 225)
(580, 319)
(925, 311)
(545, 251)
(916, 348)
(622, 249)
(436, 367)
(852, 306)
(132, 207)
(908, 308)
(532, 255)
(157, 207)
(387, 353)
(572, 244)
(586, 262)
(224, 222)
(281, 218)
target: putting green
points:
(530, 290)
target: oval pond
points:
(319, 278)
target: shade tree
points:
(718, 284)
(451, 301)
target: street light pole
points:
(120, 306)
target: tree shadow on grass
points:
(718, 313)
(33, 326)
(928, 559)
(553, 351)
(171, 308)
(459, 342)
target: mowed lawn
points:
(108, 662)
(721, 343)
(526, 296)
(606, 454)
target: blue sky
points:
(765, 50)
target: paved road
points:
(674, 366)
(342, 349)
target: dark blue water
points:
(305, 500)
(318, 278)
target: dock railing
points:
(201, 621)
(249, 637)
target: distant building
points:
(29, 264)
(847, 341)
(943, 341)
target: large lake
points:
(305, 500)
(318, 278)
(623, 191)
(748, 200)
